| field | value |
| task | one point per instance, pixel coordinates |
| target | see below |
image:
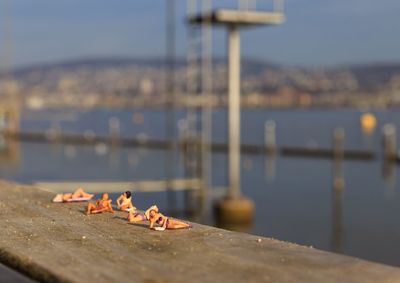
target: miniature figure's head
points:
(153, 210)
(128, 194)
(104, 196)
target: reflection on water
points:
(337, 220)
(389, 177)
(9, 155)
(349, 206)
(243, 227)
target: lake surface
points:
(294, 197)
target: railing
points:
(277, 5)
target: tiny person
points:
(124, 201)
(79, 193)
(163, 221)
(101, 205)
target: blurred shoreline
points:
(134, 83)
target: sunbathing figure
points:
(78, 195)
(163, 221)
(101, 205)
(124, 202)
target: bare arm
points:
(165, 223)
(119, 199)
(152, 223)
(110, 207)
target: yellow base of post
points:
(234, 211)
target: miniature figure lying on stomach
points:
(78, 195)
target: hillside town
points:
(130, 83)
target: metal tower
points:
(233, 19)
(199, 93)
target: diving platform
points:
(238, 17)
(233, 20)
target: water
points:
(294, 197)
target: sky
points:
(316, 32)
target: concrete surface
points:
(59, 243)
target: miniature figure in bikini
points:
(163, 221)
(78, 195)
(124, 202)
(101, 205)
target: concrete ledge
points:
(58, 243)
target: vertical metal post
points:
(337, 188)
(337, 220)
(183, 139)
(192, 162)
(170, 68)
(270, 136)
(338, 155)
(389, 142)
(206, 75)
(270, 167)
(170, 98)
(247, 4)
(234, 111)
(389, 174)
(6, 38)
(7, 49)
(114, 128)
(278, 6)
(192, 89)
(338, 143)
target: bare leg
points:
(135, 217)
(58, 198)
(80, 193)
(66, 197)
(109, 208)
(91, 207)
(177, 224)
(127, 206)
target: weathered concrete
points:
(57, 242)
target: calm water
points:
(293, 196)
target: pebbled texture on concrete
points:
(59, 243)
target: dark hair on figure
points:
(128, 194)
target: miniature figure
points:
(124, 202)
(78, 195)
(101, 205)
(165, 222)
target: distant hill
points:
(264, 75)
(95, 63)
(248, 65)
(365, 72)
(374, 75)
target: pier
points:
(58, 243)
(81, 139)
